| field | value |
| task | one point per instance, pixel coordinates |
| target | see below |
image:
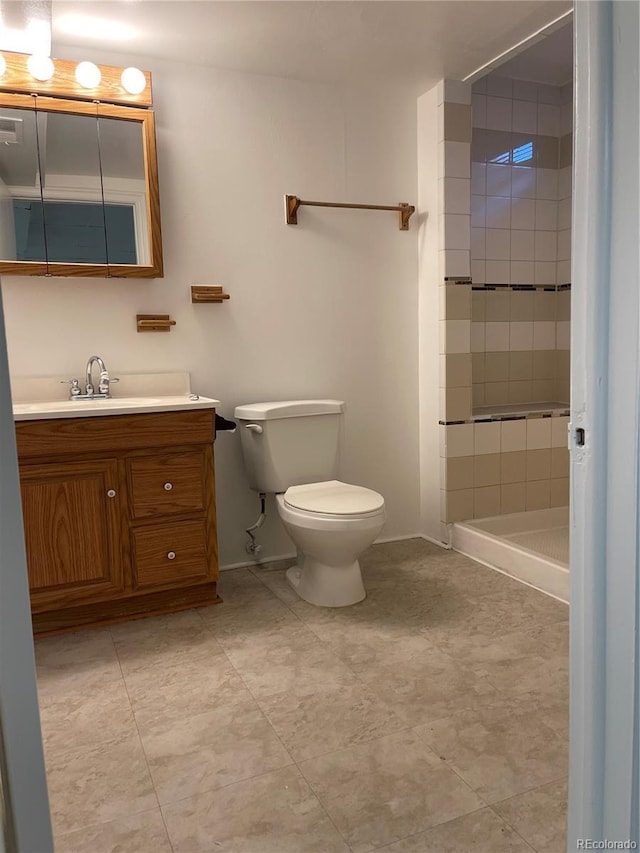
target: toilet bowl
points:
(331, 523)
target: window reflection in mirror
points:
(21, 220)
(124, 187)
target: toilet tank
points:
(289, 443)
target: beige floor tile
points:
(329, 718)
(99, 783)
(140, 833)
(166, 639)
(274, 813)
(526, 660)
(302, 664)
(197, 754)
(493, 616)
(427, 687)
(480, 832)
(162, 694)
(500, 750)
(241, 586)
(277, 583)
(387, 789)
(84, 718)
(539, 816)
(83, 660)
(237, 624)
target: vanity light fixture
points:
(133, 81)
(88, 75)
(40, 67)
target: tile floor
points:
(430, 718)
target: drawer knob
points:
(111, 493)
(168, 487)
(171, 555)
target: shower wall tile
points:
(486, 438)
(521, 271)
(513, 497)
(513, 467)
(459, 473)
(457, 336)
(457, 505)
(559, 432)
(498, 304)
(538, 433)
(486, 501)
(486, 470)
(459, 440)
(559, 462)
(499, 86)
(539, 464)
(538, 495)
(479, 178)
(513, 436)
(522, 246)
(455, 195)
(455, 370)
(456, 159)
(559, 492)
(457, 122)
(455, 404)
(478, 272)
(455, 302)
(521, 306)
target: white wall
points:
(327, 308)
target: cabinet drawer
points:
(166, 484)
(170, 553)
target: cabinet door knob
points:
(168, 487)
(111, 493)
(171, 555)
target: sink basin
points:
(112, 406)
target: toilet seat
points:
(333, 498)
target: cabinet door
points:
(72, 532)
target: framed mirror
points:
(78, 188)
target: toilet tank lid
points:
(287, 409)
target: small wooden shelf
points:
(154, 322)
(208, 293)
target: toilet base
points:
(327, 586)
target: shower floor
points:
(530, 546)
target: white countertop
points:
(112, 406)
(40, 398)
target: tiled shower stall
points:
(505, 238)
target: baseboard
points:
(256, 563)
(252, 564)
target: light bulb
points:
(88, 75)
(3, 65)
(40, 67)
(133, 81)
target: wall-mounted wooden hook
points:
(208, 293)
(154, 322)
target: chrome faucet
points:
(103, 386)
(104, 383)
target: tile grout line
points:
(144, 752)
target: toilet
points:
(290, 449)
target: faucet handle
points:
(74, 391)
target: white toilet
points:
(290, 448)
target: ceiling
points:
(409, 43)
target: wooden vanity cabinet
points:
(119, 515)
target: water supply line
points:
(252, 546)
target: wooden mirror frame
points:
(23, 96)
